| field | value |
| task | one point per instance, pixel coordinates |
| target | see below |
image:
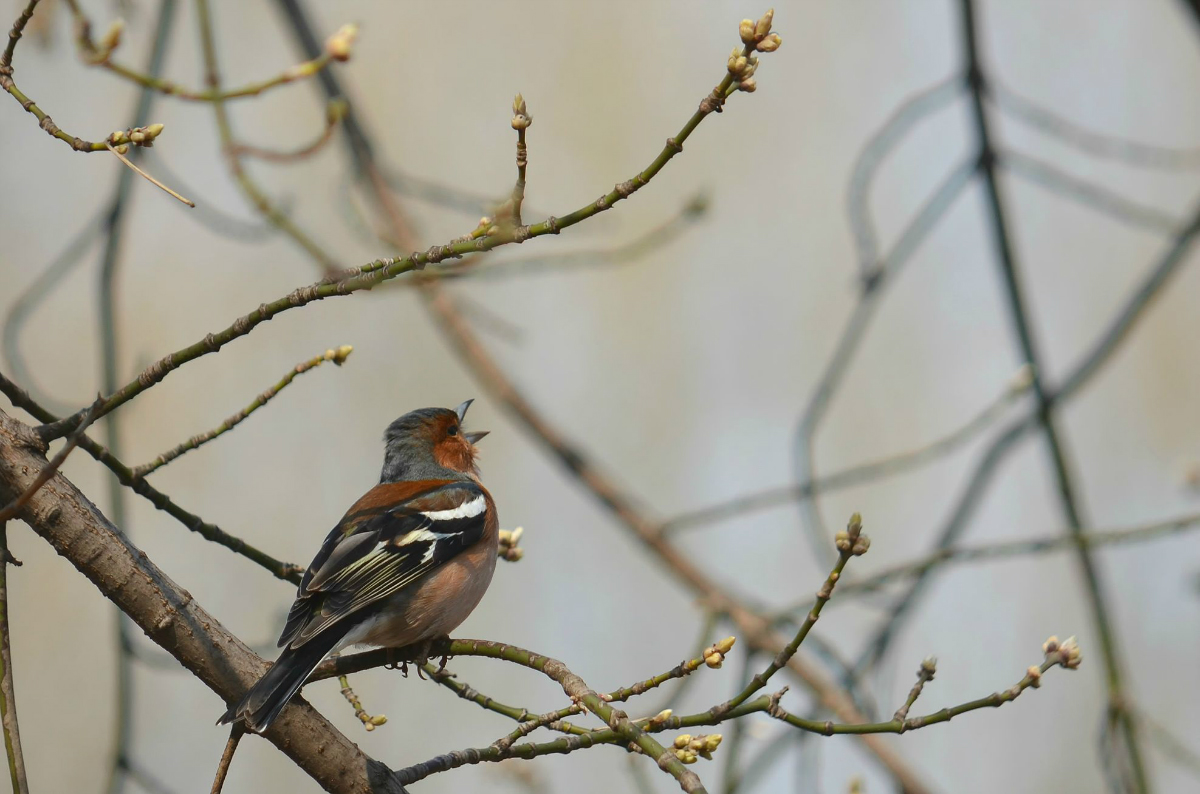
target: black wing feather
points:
(373, 554)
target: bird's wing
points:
(393, 536)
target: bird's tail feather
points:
(263, 702)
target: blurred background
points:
(684, 371)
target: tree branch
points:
(337, 356)
(8, 694)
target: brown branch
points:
(235, 736)
(137, 170)
(45, 474)
(8, 695)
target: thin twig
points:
(925, 674)
(373, 273)
(8, 696)
(337, 356)
(861, 473)
(101, 55)
(850, 543)
(520, 122)
(147, 177)
(1019, 548)
(235, 736)
(370, 722)
(1064, 654)
(44, 121)
(335, 111)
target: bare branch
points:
(8, 695)
(338, 356)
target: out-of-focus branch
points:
(882, 142)
(863, 472)
(335, 111)
(1090, 363)
(1091, 195)
(873, 289)
(1094, 584)
(1020, 548)
(100, 54)
(1096, 144)
(337, 356)
(38, 290)
(250, 188)
(8, 694)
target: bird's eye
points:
(453, 431)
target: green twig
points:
(1065, 654)
(101, 55)
(849, 543)
(337, 356)
(118, 138)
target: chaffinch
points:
(406, 564)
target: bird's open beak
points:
(462, 412)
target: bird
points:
(406, 564)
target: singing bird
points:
(406, 564)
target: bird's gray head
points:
(424, 443)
